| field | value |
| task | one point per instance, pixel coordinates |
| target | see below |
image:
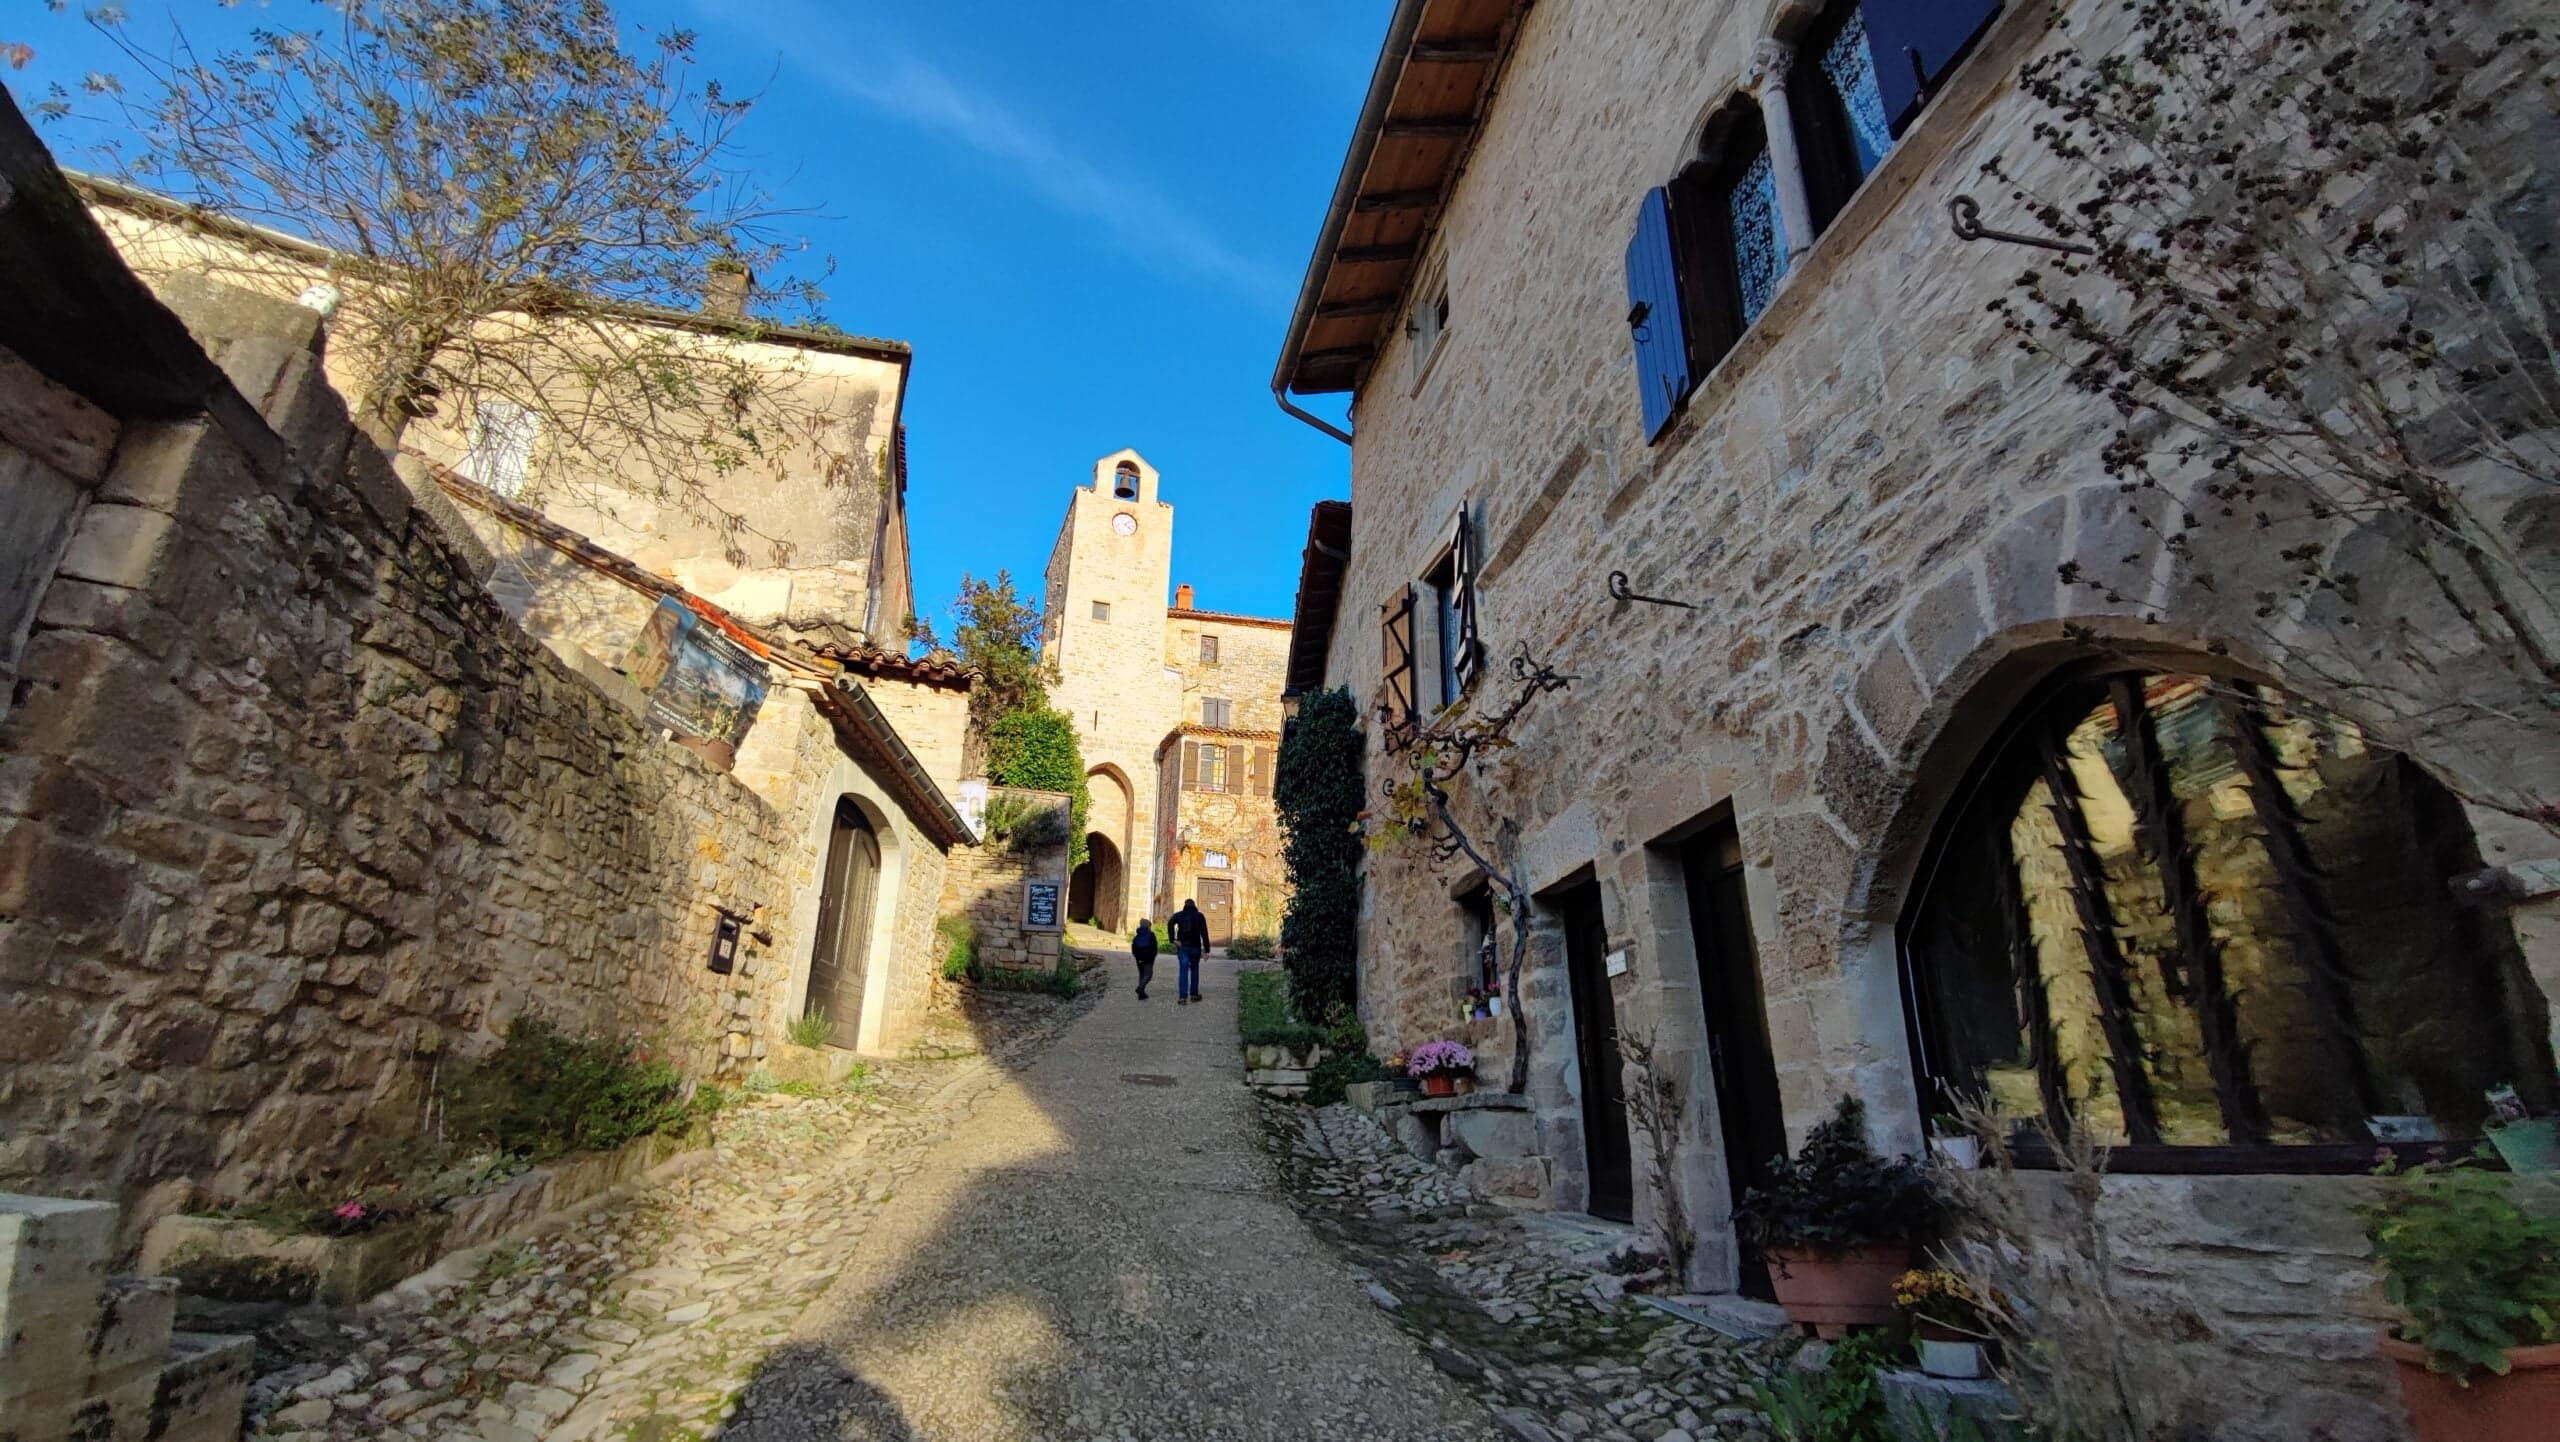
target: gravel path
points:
(1101, 1251)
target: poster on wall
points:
(1040, 905)
(699, 682)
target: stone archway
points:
(1097, 889)
(1111, 820)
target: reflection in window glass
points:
(1851, 69)
(1759, 238)
(2190, 915)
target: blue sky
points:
(1089, 221)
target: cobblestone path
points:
(1525, 1309)
(1073, 1236)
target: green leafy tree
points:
(1036, 749)
(997, 635)
(1319, 791)
(492, 185)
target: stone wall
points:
(291, 815)
(985, 883)
(1868, 501)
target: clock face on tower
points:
(1125, 524)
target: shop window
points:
(2215, 929)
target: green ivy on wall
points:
(1320, 791)
(1035, 748)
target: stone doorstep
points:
(347, 1270)
(824, 1066)
(1730, 1313)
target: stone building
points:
(1176, 709)
(1812, 829)
(294, 810)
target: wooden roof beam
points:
(1374, 254)
(1399, 200)
(1338, 355)
(1339, 309)
(1453, 52)
(1456, 127)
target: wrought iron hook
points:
(1619, 590)
(1967, 214)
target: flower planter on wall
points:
(1830, 1292)
(2522, 1406)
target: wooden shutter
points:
(1261, 770)
(1653, 315)
(1462, 599)
(1190, 765)
(1702, 244)
(1235, 768)
(1395, 701)
(1915, 43)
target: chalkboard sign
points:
(1040, 905)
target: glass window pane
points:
(1850, 67)
(1759, 238)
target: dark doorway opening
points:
(1746, 1070)
(839, 958)
(1607, 1152)
(1095, 888)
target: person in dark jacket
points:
(1190, 938)
(1143, 947)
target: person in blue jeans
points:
(1190, 938)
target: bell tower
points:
(1103, 629)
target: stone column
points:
(1766, 77)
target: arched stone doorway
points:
(1096, 889)
(1109, 824)
(840, 953)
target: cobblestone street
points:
(1068, 1234)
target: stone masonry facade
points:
(1147, 683)
(1868, 501)
(291, 814)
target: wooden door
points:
(839, 956)
(1746, 1070)
(1218, 905)
(1607, 1151)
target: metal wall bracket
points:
(1967, 214)
(1619, 590)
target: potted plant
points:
(1836, 1224)
(1440, 1066)
(1948, 1322)
(2476, 1277)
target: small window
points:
(1842, 131)
(1124, 481)
(1479, 964)
(1208, 650)
(1210, 773)
(1452, 585)
(1102, 610)
(1217, 711)
(501, 456)
(1427, 323)
(1443, 584)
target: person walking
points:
(1190, 938)
(1143, 947)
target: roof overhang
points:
(1320, 568)
(1427, 98)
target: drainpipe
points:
(1346, 187)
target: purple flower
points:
(1439, 1056)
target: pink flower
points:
(350, 1212)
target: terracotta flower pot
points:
(2518, 1407)
(1440, 1084)
(1830, 1292)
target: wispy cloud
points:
(1134, 216)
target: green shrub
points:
(1023, 823)
(1840, 1403)
(810, 1028)
(959, 947)
(2474, 1270)
(1035, 749)
(1264, 1016)
(1835, 1193)
(544, 1093)
(1253, 948)
(1338, 1070)
(1319, 789)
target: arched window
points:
(2192, 915)
(1842, 131)
(1124, 481)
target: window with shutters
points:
(1396, 678)
(501, 453)
(1209, 766)
(2197, 918)
(1217, 711)
(1208, 650)
(1457, 654)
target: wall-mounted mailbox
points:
(724, 943)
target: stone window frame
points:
(1102, 612)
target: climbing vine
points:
(1319, 791)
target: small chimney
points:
(1182, 597)
(725, 287)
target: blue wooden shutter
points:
(1915, 43)
(1653, 315)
